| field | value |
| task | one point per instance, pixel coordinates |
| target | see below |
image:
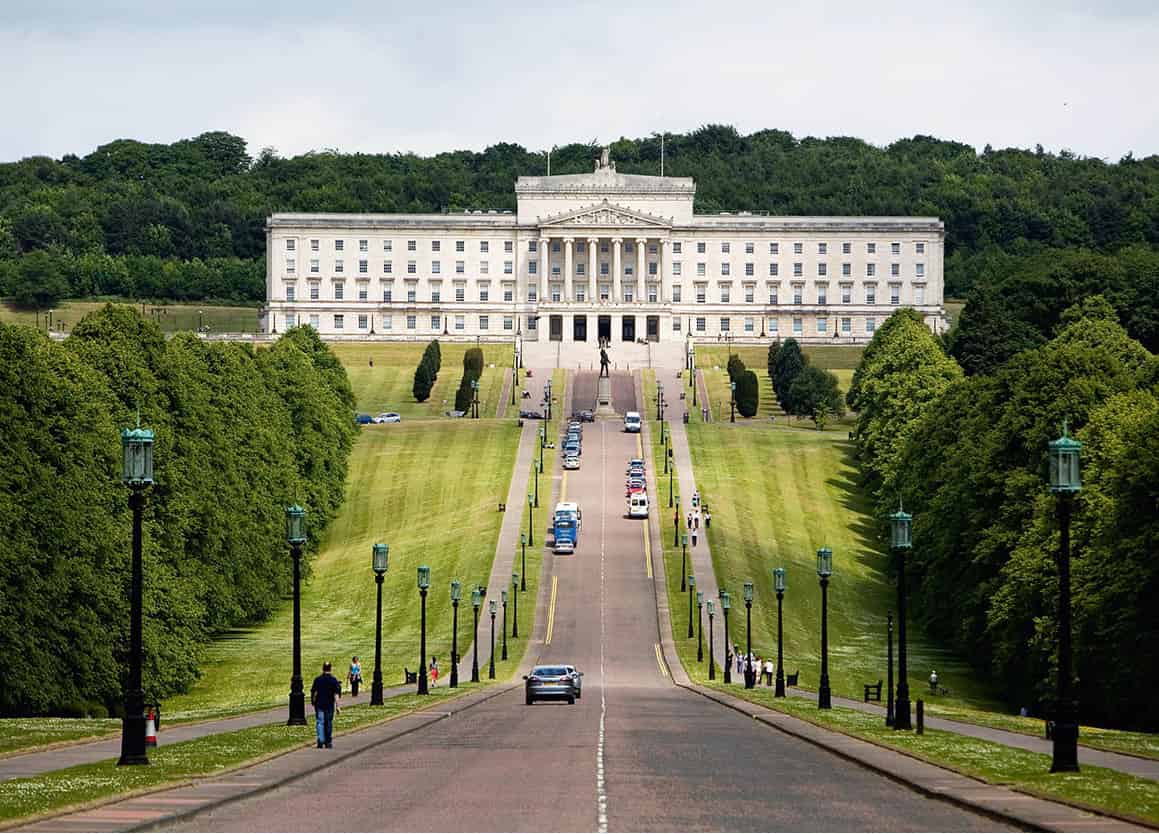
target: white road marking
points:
(601, 781)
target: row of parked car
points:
(385, 417)
(636, 489)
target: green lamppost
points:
(699, 627)
(456, 594)
(779, 587)
(725, 605)
(670, 494)
(676, 521)
(476, 602)
(493, 607)
(683, 559)
(515, 605)
(296, 536)
(424, 582)
(475, 399)
(659, 396)
(530, 521)
(732, 402)
(136, 474)
(379, 559)
(542, 443)
(1065, 482)
(691, 593)
(899, 536)
(523, 575)
(824, 571)
(749, 677)
(711, 652)
(503, 595)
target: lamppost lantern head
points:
(515, 579)
(684, 539)
(523, 539)
(711, 608)
(824, 562)
(899, 529)
(295, 525)
(424, 577)
(732, 387)
(493, 606)
(476, 598)
(456, 590)
(1064, 464)
(502, 596)
(779, 580)
(748, 592)
(691, 581)
(137, 457)
(699, 598)
(725, 601)
(380, 557)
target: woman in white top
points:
(769, 672)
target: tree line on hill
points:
(186, 220)
(803, 389)
(240, 434)
(967, 455)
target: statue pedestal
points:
(604, 396)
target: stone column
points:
(543, 271)
(641, 278)
(617, 296)
(664, 271)
(568, 266)
(593, 268)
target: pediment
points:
(605, 214)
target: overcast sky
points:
(380, 76)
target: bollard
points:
(921, 716)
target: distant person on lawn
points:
(324, 695)
(354, 678)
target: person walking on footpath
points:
(740, 664)
(434, 671)
(324, 696)
(707, 518)
(688, 526)
(694, 537)
(354, 677)
(696, 521)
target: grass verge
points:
(171, 317)
(170, 765)
(23, 735)
(1094, 788)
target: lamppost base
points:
(901, 714)
(376, 694)
(779, 691)
(824, 699)
(297, 708)
(1065, 756)
(133, 750)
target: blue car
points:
(363, 419)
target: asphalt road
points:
(635, 754)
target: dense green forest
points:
(240, 434)
(967, 454)
(186, 220)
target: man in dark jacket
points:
(324, 695)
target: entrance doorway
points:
(604, 328)
(555, 328)
(652, 323)
(579, 328)
(628, 329)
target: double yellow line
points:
(551, 610)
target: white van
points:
(638, 505)
(632, 422)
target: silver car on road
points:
(550, 683)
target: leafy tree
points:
(424, 380)
(789, 362)
(736, 367)
(747, 393)
(774, 348)
(814, 393)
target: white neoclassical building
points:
(585, 256)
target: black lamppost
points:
(493, 607)
(514, 372)
(296, 536)
(725, 605)
(542, 443)
(824, 571)
(899, 529)
(669, 487)
(136, 474)
(424, 585)
(1065, 482)
(889, 669)
(683, 558)
(711, 652)
(659, 394)
(699, 627)
(379, 558)
(475, 398)
(691, 593)
(749, 677)
(476, 601)
(692, 378)
(779, 587)
(503, 595)
(676, 522)
(530, 520)
(456, 595)
(523, 576)
(732, 402)
(514, 605)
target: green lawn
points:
(776, 496)
(23, 734)
(386, 386)
(172, 317)
(409, 485)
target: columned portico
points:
(593, 268)
(544, 267)
(664, 270)
(641, 277)
(568, 268)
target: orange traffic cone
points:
(150, 729)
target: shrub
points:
(736, 368)
(427, 372)
(814, 393)
(472, 370)
(747, 393)
(789, 362)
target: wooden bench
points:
(791, 680)
(876, 689)
(409, 676)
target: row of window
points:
(843, 326)
(385, 323)
(822, 247)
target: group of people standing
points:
(692, 520)
(763, 669)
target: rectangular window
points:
(387, 267)
(798, 248)
(411, 294)
(773, 293)
(314, 320)
(724, 295)
(774, 269)
(313, 292)
(798, 293)
(895, 270)
(676, 247)
(871, 294)
(362, 323)
(314, 266)
(798, 269)
(629, 292)
(508, 293)
(533, 293)
(363, 267)
(846, 269)
(436, 246)
(339, 321)
(772, 324)
(339, 245)
(604, 268)
(822, 294)
(724, 248)
(485, 247)
(676, 293)
(871, 248)
(651, 294)
(436, 294)
(460, 322)
(289, 293)
(748, 293)
(846, 294)
(364, 246)
(532, 246)
(411, 322)
(508, 322)
(652, 267)
(412, 267)
(291, 266)
(532, 267)
(338, 266)
(701, 269)
(846, 326)
(555, 297)
(579, 247)
(748, 325)
(822, 248)
(484, 322)
(798, 327)
(871, 325)
(725, 268)
(750, 269)
(700, 247)
(291, 319)
(533, 323)
(822, 270)
(412, 246)
(676, 267)
(387, 322)
(894, 294)
(919, 248)
(436, 322)
(436, 268)
(460, 246)
(822, 325)
(508, 246)
(290, 243)
(460, 293)
(581, 292)
(484, 292)
(701, 324)
(605, 292)
(460, 267)
(749, 248)
(870, 270)
(484, 267)
(508, 267)
(315, 244)
(628, 269)
(388, 294)
(555, 246)
(846, 248)
(895, 248)
(701, 292)
(919, 295)
(388, 246)
(774, 248)
(579, 269)
(920, 270)
(676, 326)
(362, 292)
(724, 324)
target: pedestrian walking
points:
(769, 673)
(434, 671)
(694, 537)
(354, 676)
(325, 693)
(695, 498)
(696, 521)
(740, 664)
(934, 681)
(707, 518)
(688, 526)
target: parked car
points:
(635, 462)
(638, 505)
(550, 683)
(363, 419)
(634, 486)
(388, 417)
(456, 413)
(572, 450)
(531, 415)
(578, 677)
(571, 462)
(587, 416)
